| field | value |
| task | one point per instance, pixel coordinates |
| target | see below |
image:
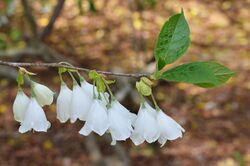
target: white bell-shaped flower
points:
(43, 94)
(120, 122)
(20, 105)
(124, 111)
(169, 128)
(63, 103)
(34, 118)
(150, 109)
(88, 88)
(145, 127)
(97, 119)
(80, 104)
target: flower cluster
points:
(29, 112)
(101, 112)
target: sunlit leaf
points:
(204, 74)
(173, 40)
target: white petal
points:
(43, 94)
(120, 125)
(150, 109)
(88, 88)
(151, 131)
(137, 138)
(34, 118)
(113, 143)
(146, 126)
(169, 128)
(80, 104)
(97, 119)
(162, 140)
(20, 105)
(85, 130)
(63, 103)
(124, 111)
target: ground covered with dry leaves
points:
(121, 37)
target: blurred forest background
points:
(120, 36)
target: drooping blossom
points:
(97, 119)
(34, 118)
(120, 121)
(80, 104)
(145, 126)
(63, 103)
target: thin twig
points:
(57, 10)
(58, 65)
(30, 17)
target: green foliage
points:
(92, 7)
(173, 40)
(203, 74)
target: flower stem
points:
(71, 75)
(31, 86)
(108, 104)
(61, 79)
(142, 100)
(109, 90)
(80, 76)
(155, 103)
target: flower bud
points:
(43, 94)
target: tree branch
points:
(58, 65)
(30, 18)
(57, 10)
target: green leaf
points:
(173, 40)
(203, 74)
